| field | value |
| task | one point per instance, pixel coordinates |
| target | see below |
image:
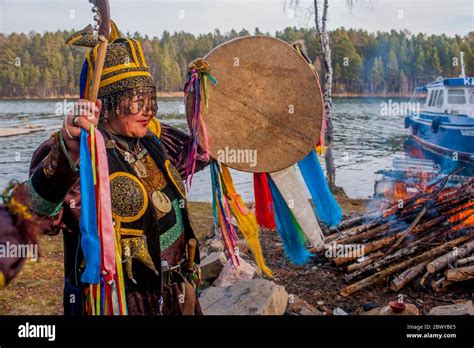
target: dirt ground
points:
(38, 287)
(318, 283)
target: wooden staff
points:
(104, 30)
(192, 243)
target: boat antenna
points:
(463, 72)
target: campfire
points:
(425, 237)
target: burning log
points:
(420, 215)
(344, 225)
(412, 248)
(360, 265)
(424, 279)
(383, 262)
(438, 219)
(364, 235)
(464, 262)
(460, 274)
(352, 231)
(407, 276)
(448, 258)
(440, 285)
(368, 248)
(410, 228)
(380, 276)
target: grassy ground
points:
(38, 287)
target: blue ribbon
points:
(326, 207)
(290, 231)
(88, 222)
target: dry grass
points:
(38, 287)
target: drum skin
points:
(265, 113)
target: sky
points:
(152, 17)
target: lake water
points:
(364, 141)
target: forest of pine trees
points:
(40, 65)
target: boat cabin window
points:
(471, 96)
(433, 97)
(456, 96)
(440, 101)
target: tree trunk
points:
(323, 34)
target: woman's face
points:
(134, 117)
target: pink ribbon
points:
(107, 232)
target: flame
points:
(465, 216)
(398, 192)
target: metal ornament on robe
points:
(265, 114)
(161, 201)
(139, 168)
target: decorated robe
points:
(149, 236)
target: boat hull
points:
(446, 134)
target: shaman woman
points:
(146, 162)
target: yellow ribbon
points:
(246, 221)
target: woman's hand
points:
(85, 113)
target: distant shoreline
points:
(76, 96)
(171, 95)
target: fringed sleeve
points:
(177, 145)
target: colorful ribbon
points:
(290, 232)
(263, 201)
(88, 221)
(103, 273)
(246, 221)
(222, 214)
(326, 207)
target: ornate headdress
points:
(125, 71)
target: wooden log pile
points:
(427, 238)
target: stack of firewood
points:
(428, 238)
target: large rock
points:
(212, 265)
(464, 308)
(215, 246)
(251, 297)
(230, 274)
(410, 309)
(242, 245)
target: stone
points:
(297, 306)
(211, 233)
(230, 274)
(215, 246)
(250, 297)
(212, 265)
(410, 309)
(339, 311)
(369, 306)
(463, 308)
(243, 246)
